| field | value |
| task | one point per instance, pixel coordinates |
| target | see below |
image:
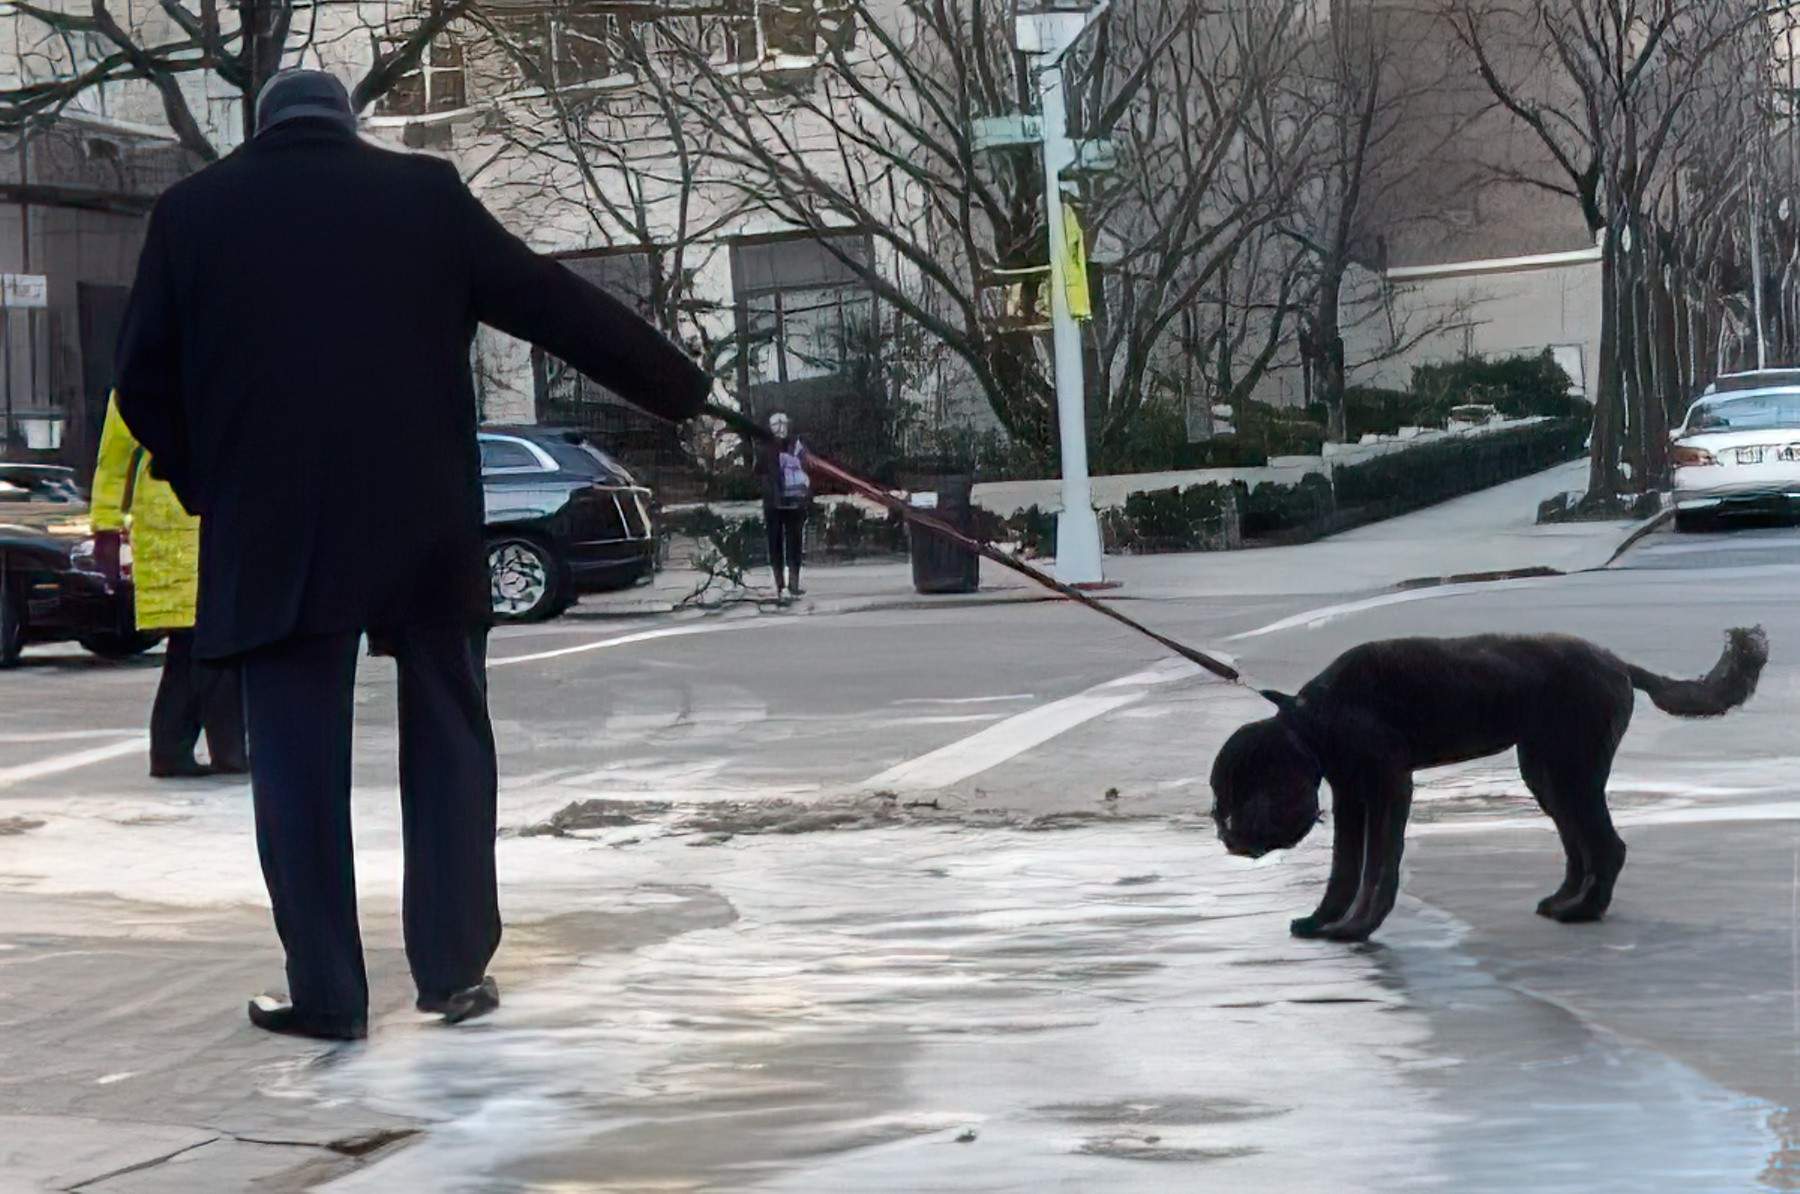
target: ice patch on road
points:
(881, 995)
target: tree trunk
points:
(260, 54)
(1669, 389)
(1603, 456)
(1327, 344)
(1636, 361)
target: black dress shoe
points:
(178, 769)
(272, 1014)
(230, 767)
(466, 1004)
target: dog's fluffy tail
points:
(1728, 685)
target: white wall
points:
(1496, 310)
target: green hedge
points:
(1518, 387)
(1412, 478)
(1170, 519)
(840, 529)
(1193, 519)
(1272, 510)
(1196, 518)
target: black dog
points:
(1384, 709)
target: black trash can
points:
(938, 565)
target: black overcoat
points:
(296, 358)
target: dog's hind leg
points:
(1576, 766)
(1536, 772)
(1348, 829)
(1602, 851)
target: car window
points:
(608, 466)
(38, 485)
(505, 454)
(1753, 413)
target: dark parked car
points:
(563, 518)
(50, 588)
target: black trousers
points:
(191, 696)
(299, 696)
(787, 530)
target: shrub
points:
(1516, 386)
(1034, 530)
(846, 528)
(1275, 509)
(1371, 410)
(1421, 476)
(1278, 430)
(1173, 519)
(1222, 451)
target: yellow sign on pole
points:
(1073, 245)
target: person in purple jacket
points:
(787, 500)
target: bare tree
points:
(875, 133)
(600, 127)
(1603, 86)
(67, 51)
(1379, 137)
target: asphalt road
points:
(1110, 1007)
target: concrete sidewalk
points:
(1493, 531)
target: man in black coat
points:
(296, 360)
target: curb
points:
(877, 605)
(1631, 540)
(1033, 597)
(1647, 527)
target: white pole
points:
(1077, 528)
(1756, 275)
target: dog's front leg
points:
(1389, 804)
(1348, 815)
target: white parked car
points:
(1738, 448)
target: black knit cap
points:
(299, 94)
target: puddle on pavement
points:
(907, 1010)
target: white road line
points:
(1034, 727)
(67, 735)
(942, 719)
(56, 764)
(644, 636)
(1018, 734)
(987, 700)
(1313, 618)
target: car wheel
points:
(119, 646)
(526, 580)
(1690, 522)
(12, 623)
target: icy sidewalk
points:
(1115, 1008)
(1493, 531)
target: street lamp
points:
(1046, 38)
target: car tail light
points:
(1688, 456)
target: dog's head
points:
(1265, 785)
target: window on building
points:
(568, 44)
(439, 83)
(801, 305)
(779, 33)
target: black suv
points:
(563, 518)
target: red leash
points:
(937, 526)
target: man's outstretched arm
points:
(148, 365)
(538, 299)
